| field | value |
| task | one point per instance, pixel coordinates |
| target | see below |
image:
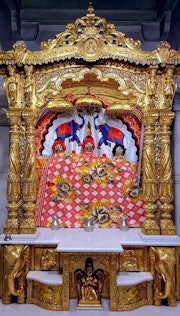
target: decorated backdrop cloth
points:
(76, 186)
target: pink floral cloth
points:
(79, 185)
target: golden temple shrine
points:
(90, 118)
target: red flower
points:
(50, 184)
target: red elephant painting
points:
(69, 129)
(109, 133)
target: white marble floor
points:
(33, 310)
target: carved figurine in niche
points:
(169, 87)
(48, 259)
(129, 261)
(89, 285)
(11, 86)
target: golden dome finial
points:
(90, 10)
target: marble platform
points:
(30, 309)
(99, 240)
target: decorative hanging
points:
(59, 104)
(119, 108)
(88, 102)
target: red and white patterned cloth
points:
(76, 186)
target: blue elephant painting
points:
(69, 129)
(109, 134)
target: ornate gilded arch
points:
(91, 52)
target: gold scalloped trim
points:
(57, 104)
(88, 99)
(119, 108)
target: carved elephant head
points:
(16, 258)
(164, 266)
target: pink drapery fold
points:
(92, 185)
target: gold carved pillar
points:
(29, 87)
(66, 283)
(150, 193)
(13, 181)
(28, 225)
(113, 282)
(165, 181)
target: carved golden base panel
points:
(88, 304)
(133, 296)
(45, 295)
(18, 281)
